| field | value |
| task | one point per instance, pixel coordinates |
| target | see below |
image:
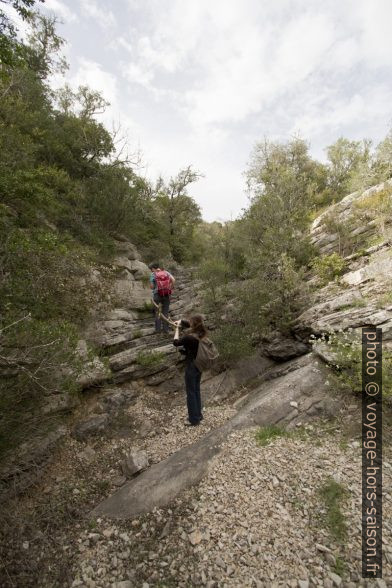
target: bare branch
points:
(16, 322)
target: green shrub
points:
(273, 298)
(38, 360)
(213, 273)
(347, 351)
(148, 359)
(46, 275)
(232, 342)
(377, 206)
(385, 299)
(328, 267)
(347, 243)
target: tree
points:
(179, 211)
(10, 48)
(283, 180)
(375, 168)
(345, 158)
(44, 45)
(383, 157)
(85, 103)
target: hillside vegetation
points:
(65, 193)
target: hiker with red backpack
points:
(200, 354)
(161, 284)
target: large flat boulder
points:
(137, 269)
(126, 248)
(131, 294)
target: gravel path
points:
(257, 519)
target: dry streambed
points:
(257, 519)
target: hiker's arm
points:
(182, 341)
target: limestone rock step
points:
(154, 355)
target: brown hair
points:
(197, 325)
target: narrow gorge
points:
(133, 498)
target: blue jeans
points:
(159, 323)
(193, 398)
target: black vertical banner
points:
(371, 452)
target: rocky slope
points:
(211, 507)
(362, 294)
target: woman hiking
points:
(190, 344)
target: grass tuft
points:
(340, 566)
(333, 495)
(266, 434)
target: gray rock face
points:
(94, 372)
(95, 425)
(137, 269)
(326, 242)
(126, 248)
(282, 347)
(134, 462)
(325, 353)
(131, 294)
(354, 302)
(118, 328)
(114, 399)
(357, 298)
(220, 386)
(378, 266)
(121, 360)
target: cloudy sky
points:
(201, 81)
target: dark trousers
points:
(160, 323)
(193, 399)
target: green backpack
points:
(207, 354)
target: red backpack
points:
(162, 280)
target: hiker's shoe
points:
(188, 424)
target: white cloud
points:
(136, 75)
(334, 114)
(104, 17)
(375, 30)
(238, 63)
(91, 73)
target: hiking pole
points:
(160, 315)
